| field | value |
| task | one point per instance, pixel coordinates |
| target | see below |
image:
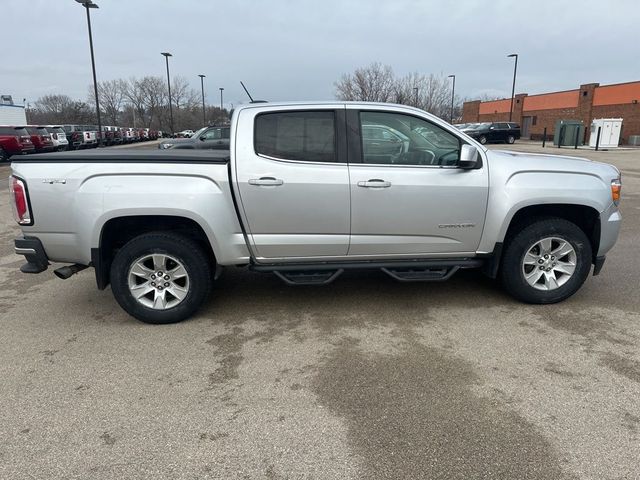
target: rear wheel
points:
(161, 277)
(4, 157)
(511, 139)
(482, 139)
(546, 262)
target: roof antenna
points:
(247, 91)
(249, 95)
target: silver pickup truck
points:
(306, 191)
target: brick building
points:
(590, 101)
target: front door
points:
(216, 138)
(413, 201)
(293, 183)
(526, 127)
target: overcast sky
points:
(296, 49)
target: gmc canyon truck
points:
(304, 194)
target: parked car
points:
(116, 135)
(301, 198)
(106, 136)
(75, 136)
(90, 136)
(58, 137)
(216, 138)
(14, 141)
(40, 138)
(185, 134)
(494, 132)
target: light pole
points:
(221, 103)
(415, 91)
(87, 4)
(204, 113)
(513, 88)
(166, 56)
(453, 94)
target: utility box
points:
(566, 131)
(610, 129)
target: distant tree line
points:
(378, 83)
(136, 102)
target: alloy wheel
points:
(549, 263)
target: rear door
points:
(293, 181)
(414, 202)
(213, 138)
(501, 132)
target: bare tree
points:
(60, 109)
(154, 98)
(375, 83)
(134, 94)
(135, 102)
(112, 95)
(182, 95)
(433, 94)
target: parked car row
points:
(491, 132)
(87, 136)
(18, 140)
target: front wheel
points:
(482, 139)
(546, 262)
(3, 155)
(161, 277)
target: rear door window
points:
(308, 136)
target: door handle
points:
(266, 181)
(375, 183)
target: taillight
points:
(20, 202)
(616, 190)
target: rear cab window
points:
(307, 136)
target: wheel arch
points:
(585, 217)
(119, 230)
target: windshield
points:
(198, 132)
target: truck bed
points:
(128, 156)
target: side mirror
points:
(468, 157)
(202, 139)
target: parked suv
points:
(40, 138)
(14, 141)
(74, 136)
(58, 137)
(495, 132)
(216, 138)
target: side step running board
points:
(421, 275)
(310, 277)
(405, 271)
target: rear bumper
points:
(33, 251)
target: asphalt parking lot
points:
(364, 378)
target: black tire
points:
(482, 139)
(511, 139)
(3, 155)
(186, 251)
(512, 274)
